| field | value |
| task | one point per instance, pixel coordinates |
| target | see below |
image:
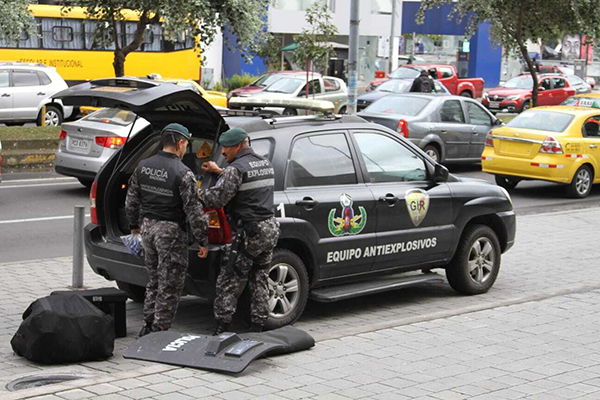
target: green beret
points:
(179, 129)
(232, 137)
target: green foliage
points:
(270, 51)
(198, 18)
(514, 22)
(314, 41)
(238, 81)
(15, 19)
(218, 87)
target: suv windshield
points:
(405, 105)
(520, 82)
(112, 116)
(542, 121)
(405, 72)
(394, 86)
(285, 85)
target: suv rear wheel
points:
(134, 292)
(53, 117)
(476, 264)
(288, 290)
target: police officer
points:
(245, 189)
(423, 83)
(162, 195)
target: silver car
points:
(447, 128)
(25, 89)
(86, 144)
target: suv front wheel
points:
(476, 264)
(53, 117)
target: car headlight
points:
(513, 97)
(507, 195)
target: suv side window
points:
(44, 79)
(25, 78)
(452, 112)
(387, 160)
(319, 160)
(331, 85)
(477, 115)
(446, 72)
(558, 83)
(313, 88)
(4, 79)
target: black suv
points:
(361, 208)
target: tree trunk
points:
(119, 63)
(138, 38)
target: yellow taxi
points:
(213, 97)
(582, 100)
(558, 144)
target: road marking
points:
(40, 179)
(39, 185)
(16, 221)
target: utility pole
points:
(393, 47)
(353, 56)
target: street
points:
(36, 209)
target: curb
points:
(20, 154)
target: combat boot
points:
(221, 327)
(146, 329)
(256, 327)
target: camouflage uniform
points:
(258, 239)
(166, 249)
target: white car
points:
(326, 88)
(25, 89)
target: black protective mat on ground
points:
(64, 329)
(229, 352)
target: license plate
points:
(494, 104)
(80, 145)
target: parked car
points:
(395, 86)
(515, 94)
(265, 80)
(447, 128)
(85, 145)
(326, 88)
(337, 180)
(444, 73)
(579, 84)
(212, 96)
(558, 144)
(25, 89)
(560, 69)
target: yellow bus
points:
(69, 42)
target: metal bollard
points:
(78, 247)
(43, 114)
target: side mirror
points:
(440, 174)
(541, 88)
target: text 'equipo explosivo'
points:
(381, 250)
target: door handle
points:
(5, 95)
(390, 199)
(41, 94)
(593, 146)
(307, 203)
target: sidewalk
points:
(535, 335)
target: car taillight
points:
(112, 142)
(219, 231)
(489, 139)
(551, 146)
(93, 214)
(63, 135)
(402, 128)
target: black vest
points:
(254, 199)
(159, 178)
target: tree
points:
(314, 42)
(15, 19)
(514, 22)
(199, 18)
(270, 51)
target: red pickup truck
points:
(444, 73)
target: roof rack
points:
(302, 118)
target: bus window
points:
(62, 33)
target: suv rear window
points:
(399, 105)
(113, 116)
(542, 121)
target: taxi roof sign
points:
(587, 102)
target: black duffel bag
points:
(64, 329)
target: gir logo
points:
(417, 202)
(348, 223)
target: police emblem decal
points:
(347, 223)
(417, 203)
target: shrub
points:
(238, 81)
(218, 87)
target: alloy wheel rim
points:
(582, 184)
(284, 290)
(51, 118)
(432, 154)
(481, 260)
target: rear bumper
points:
(510, 222)
(553, 168)
(114, 262)
(78, 166)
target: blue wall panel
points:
(234, 63)
(485, 60)
(436, 20)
